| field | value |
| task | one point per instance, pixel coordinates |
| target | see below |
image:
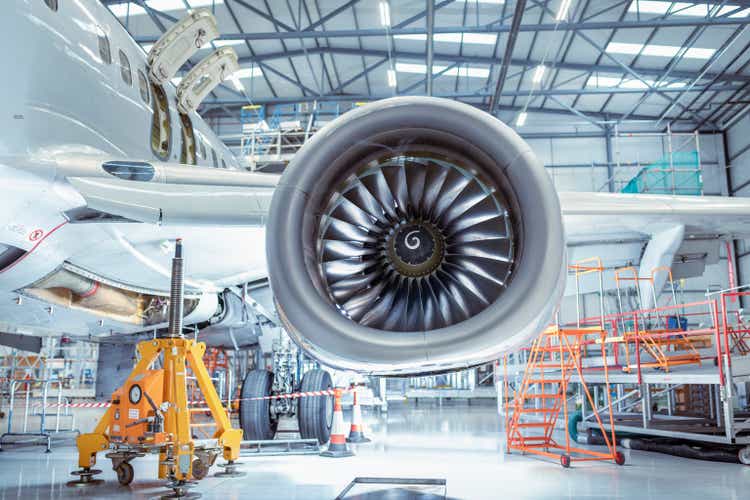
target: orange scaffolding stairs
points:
(532, 412)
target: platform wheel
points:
(744, 455)
(619, 458)
(200, 469)
(125, 473)
(565, 461)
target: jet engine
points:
(415, 235)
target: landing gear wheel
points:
(315, 414)
(744, 455)
(619, 458)
(255, 416)
(200, 470)
(125, 473)
(565, 461)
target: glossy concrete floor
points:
(459, 443)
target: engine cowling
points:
(415, 235)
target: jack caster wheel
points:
(744, 455)
(619, 458)
(180, 489)
(565, 461)
(85, 477)
(200, 470)
(125, 473)
(230, 470)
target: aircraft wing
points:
(682, 233)
(591, 217)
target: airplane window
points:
(187, 154)
(213, 158)
(143, 86)
(104, 50)
(52, 4)
(161, 127)
(127, 76)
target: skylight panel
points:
(471, 38)
(607, 81)
(684, 8)
(248, 72)
(603, 81)
(123, 9)
(465, 71)
(658, 50)
(224, 43)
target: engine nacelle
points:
(415, 235)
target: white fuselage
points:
(61, 99)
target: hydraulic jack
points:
(150, 414)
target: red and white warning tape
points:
(294, 395)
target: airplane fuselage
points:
(67, 93)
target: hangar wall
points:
(580, 164)
(738, 168)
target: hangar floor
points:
(459, 443)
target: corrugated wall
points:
(738, 167)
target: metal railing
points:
(38, 406)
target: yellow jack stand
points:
(138, 422)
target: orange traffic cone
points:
(357, 431)
(337, 445)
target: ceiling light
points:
(539, 73)
(562, 13)
(521, 120)
(385, 13)
(391, 78)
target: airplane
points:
(411, 235)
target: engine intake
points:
(414, 235)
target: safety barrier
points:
(44, 434)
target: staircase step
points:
(534, 424)
(542, 395)
(538, 410)
(544, 381)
